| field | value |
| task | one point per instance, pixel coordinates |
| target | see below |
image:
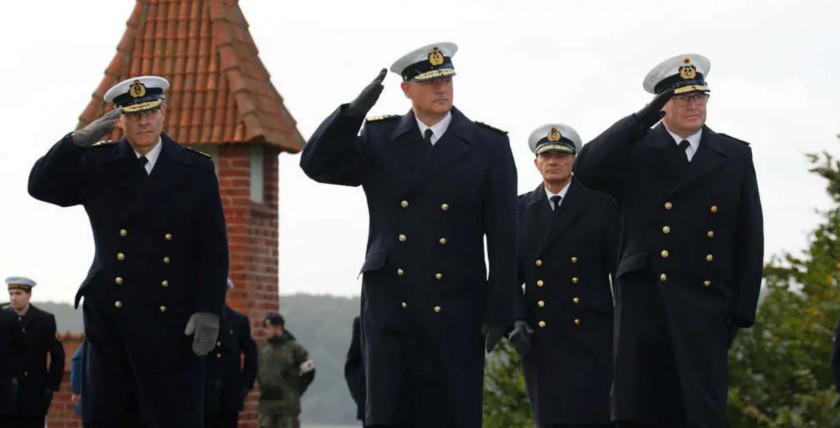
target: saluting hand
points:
(97, 129)
(205, 326)
(367, 98)
(652, 112)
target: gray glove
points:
(97, 129)
(206, 328)
(652, 113)
(520, 338)
(492, 336)
(363, 103)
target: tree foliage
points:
(505, 399)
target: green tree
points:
(780, 373)
(505, 399)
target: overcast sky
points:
(774, 80)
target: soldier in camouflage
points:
(284, 372)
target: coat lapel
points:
(120, 167)
(405, 142)
(663, 144)
(570, 207)
(454, 143)
(538, 217)
(170, 172)
(709, 156)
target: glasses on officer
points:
(699, 99)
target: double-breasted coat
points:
(231, 367)
(690, 267)
(566, 259)
(33, 373)
(426, 287)
(160, 256)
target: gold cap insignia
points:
(137, 89)
(554, 135)
(436, 57)
(267, 323)
(688, 72)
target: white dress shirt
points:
(693, 142)
(438, 129)
(152, 156)
(561, 194)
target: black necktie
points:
(684, 145)
(142, 161)
(427, 137)
(555, 202)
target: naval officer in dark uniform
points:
(691, 256)
(12, 347)
(568, 244)
(437, 184)
(34, 377)
(230, 370)
(158, 275)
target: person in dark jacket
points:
(354, 370)
(13, 346)
(230, 370)
(76, 379)
(568, 244)
(691, 253)
(36, 379)
(160, 263)
(437, 184)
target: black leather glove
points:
(492, 335)
(97, 129)
(205, 326)
(363, 103)
(652, 113)
(520, 338)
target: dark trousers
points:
(221, 420)
(22, 421)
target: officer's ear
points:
(406, 88)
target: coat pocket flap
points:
(632, 262)
(374, 261)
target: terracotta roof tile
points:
(221, 92)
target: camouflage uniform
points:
(283, 376)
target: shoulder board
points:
(734, 139)
(491, 127)
(104, 143)
(198, 152)
(381, 118)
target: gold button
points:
(666, 230)
(120, 256)
(117, 304)
(404, 204)
(710, 234)
(162, 309)
(400, 272)
(713, 209)
(166, 259)
(444, 207)
(577, 321)
(538, 262)
(541, 303)
(218, 343)
(576, 300)
(575, 280)
(707, 283)
(437, 309)
(218, 355)
(541, 324)
(664, 254)
(574, 259)
(402, 238)
(404, 305)
(438, 276)
(663, 277)
(540, 283)
(123, 232)
(164, 283)
(709, 257)
(442, 241)
(118, 280)
(668, 205)
(168, 236)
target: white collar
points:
(153, 155)
(693, 140)
(438, 129)
(561, 193)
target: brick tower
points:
(220, 102)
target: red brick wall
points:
(253, 241)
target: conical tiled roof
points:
(220, 91)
